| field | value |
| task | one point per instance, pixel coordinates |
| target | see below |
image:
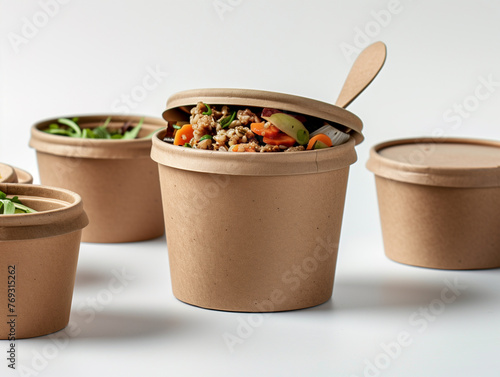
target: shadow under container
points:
(39, 256)
(254, 232)
(439, 201)
(117, 179)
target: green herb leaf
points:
(71, 124)
(205, 137)
(209, 111)
(106, 122)
(59, 131)
(132, 134)
(101, 133)
(177, 127)
(187, 145)
(10, 206)
(23, 208)
(225, 122)
(15, 199)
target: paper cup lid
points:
(179, 105)
(447, 162)
(96, 148)
(23, 176)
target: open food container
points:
(38, 255)
(117, 179)
(439, 201)
(254, 232)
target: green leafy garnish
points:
(225, 122)
(132, 134)
(10, 206)
(187, 145)
(71, 124)
(209, 111)
(70, 127)
(177, 127)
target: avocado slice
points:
(319, 145)
(291, 126)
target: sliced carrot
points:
(280, 139)
(319, 137)
(184, 135)
(259, 129)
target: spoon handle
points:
(363, 71)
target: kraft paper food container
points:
(7, 174)
(117, 179)
(253, 232)
(39, 255)
(23, 176)
(439, 201)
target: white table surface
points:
(141, 329)
(89, 57)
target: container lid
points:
(447, 162)
(23, 176)
(253, 164)
(96, 148)
(7, 174)
(60, 212)
(179, 105)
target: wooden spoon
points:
(366, 67)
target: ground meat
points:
(237, 133)
(232, 136)
(270, 148)
(295, 149)
(246, 117)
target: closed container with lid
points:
(439, 201)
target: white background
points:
(85, 56)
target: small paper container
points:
(439, 201)
(252, 232)
(7, 174)
(11, 174)
(39, 255)
(23, 176)
(117, 179)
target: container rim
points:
(253, 164)
(68, 218)
(433, 176)
(95, 148)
